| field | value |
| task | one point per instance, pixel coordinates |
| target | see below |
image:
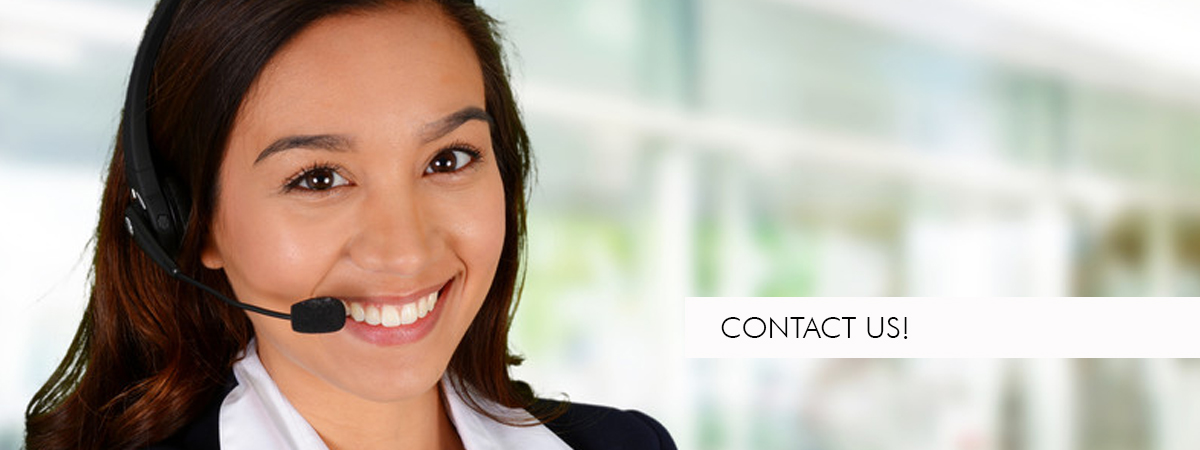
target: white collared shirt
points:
(256, 416)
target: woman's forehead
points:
(400, 66)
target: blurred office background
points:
(751, 148)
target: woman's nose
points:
(393, 236)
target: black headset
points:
(158, 215)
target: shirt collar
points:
(480, 432)
(255, 415)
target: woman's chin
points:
(393, 385)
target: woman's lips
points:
(382, 322)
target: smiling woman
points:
(364, 151)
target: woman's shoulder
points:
(585, 427)
(200, 433)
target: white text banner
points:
(960, 327)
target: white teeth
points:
(391, 315)
(372, 315)
(423, 307)
(408, 314)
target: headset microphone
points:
(157, 218)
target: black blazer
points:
(581, 426)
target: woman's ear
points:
(210, 256)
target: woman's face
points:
(360, 166)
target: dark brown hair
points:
(151, 353)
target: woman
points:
(364, 151)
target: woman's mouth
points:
(388, 320)
(391, 316)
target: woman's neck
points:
(421, 423)
(385, 427)
(345, 421)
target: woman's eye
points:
(318, 179)
(451, 160)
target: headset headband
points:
(140, 174)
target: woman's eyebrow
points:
(331, 142)
(435, 130)
(339, 143)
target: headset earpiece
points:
(135, 224)
(179, 205)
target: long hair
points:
(150, 352)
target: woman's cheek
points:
(277, 259)
(488, 228)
